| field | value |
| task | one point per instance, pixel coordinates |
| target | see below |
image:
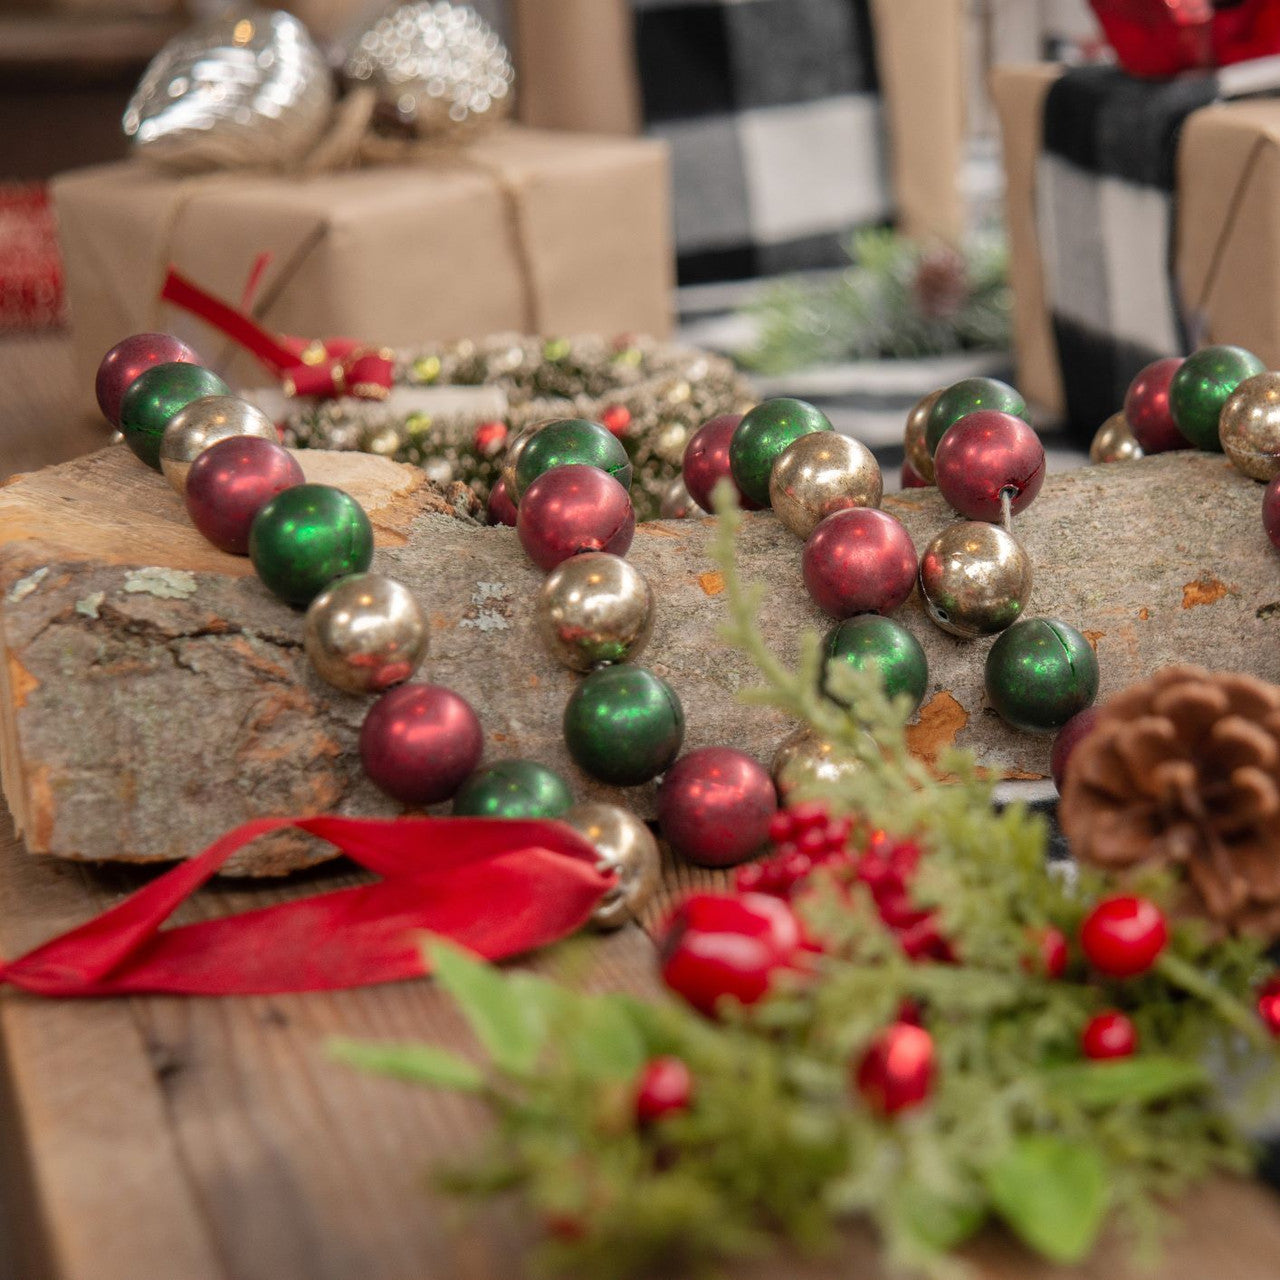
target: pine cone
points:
(941, 284)
(1184, 770)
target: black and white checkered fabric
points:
(1105, 211)
(772, 112)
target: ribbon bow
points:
(336, 367)
(498, 887)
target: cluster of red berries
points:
(804, 838)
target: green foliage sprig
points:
(779, 1149)
(898, 299)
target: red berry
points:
(665, 1088)
(781, 827)
(565, 1226)
(796, 866)
(837, 833)
(813, 841)
(1108, 1035)
(1123, 936)
(616, 418)
(896, 1072)
(808, 816)
(719, 945)
(1269, 1004)
(1050, 955)
(490, 437)
(749, 878)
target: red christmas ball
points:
(1271, 511)
(984, 455)
(896, 1072)
(122, 365)
(724, 945)
(490, 437)
(1269, 1004)
(616, 418)
(1049, 953)
(706, 461)
(231, 481)
(420, 742)
(1069, 737)
(1147, 409)
(1108, 1035)
(1123, 936)
(911, 478)
(500, 509)
(665, 1088)
(572, 509)
(715, 806)
(859, 561)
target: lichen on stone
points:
(25, 586)
(164, 584)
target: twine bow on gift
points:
(499, 887)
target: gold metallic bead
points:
(821, 473)
(594, 608)
(365, 633)
(1249, 426)
(1115, 441)
(805, 761)
(204, 422)
(625, 845)
(914, 437)
(975, 579)
(511, 458)
(677, 502)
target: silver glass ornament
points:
(627, 847)
(975, 579)
(243, 90)
(436, 67)
(593, 609)
(1115, 441)
(365, 633)
(677, 502)
(804, 761)
(819, 474)
(204, 422)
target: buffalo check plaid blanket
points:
(772, 112)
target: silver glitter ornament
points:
(365, 633)
(436, 67)
(246, 90)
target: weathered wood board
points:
(170, 1139)
(144, 711)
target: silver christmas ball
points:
(625, 845)
(365, 633)
(1115, 441)
(204, 422)
(975, 579)
(819, 474)
(914, 436)
(511, 459)
(247, 89)
(677, 502)
(804, 761)
(594, 608)
(436, 67)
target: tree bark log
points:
(154, 695)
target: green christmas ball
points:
(155, 396)
(968, 396)
(870, 642)
(307, 536)
(623, 725)
(569, 442)
(1039, 673)
(513, 789)
(1202, 385)
(763, 436)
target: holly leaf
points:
(1053, 1194)
(417, 1063)
(511, 1027)
(1146, 1078)
(603, 1042)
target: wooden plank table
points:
(171, 1139)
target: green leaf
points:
(604, 1043)
(509, 1026)
(418, 1063)
(1053, 1194)
(938, 1223)
(1141, 1079)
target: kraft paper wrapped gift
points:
(1226, 234)
(523, 231)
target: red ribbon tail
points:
(498, 888)
(236, 325)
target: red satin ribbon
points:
(497, 887)
(335, 367)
